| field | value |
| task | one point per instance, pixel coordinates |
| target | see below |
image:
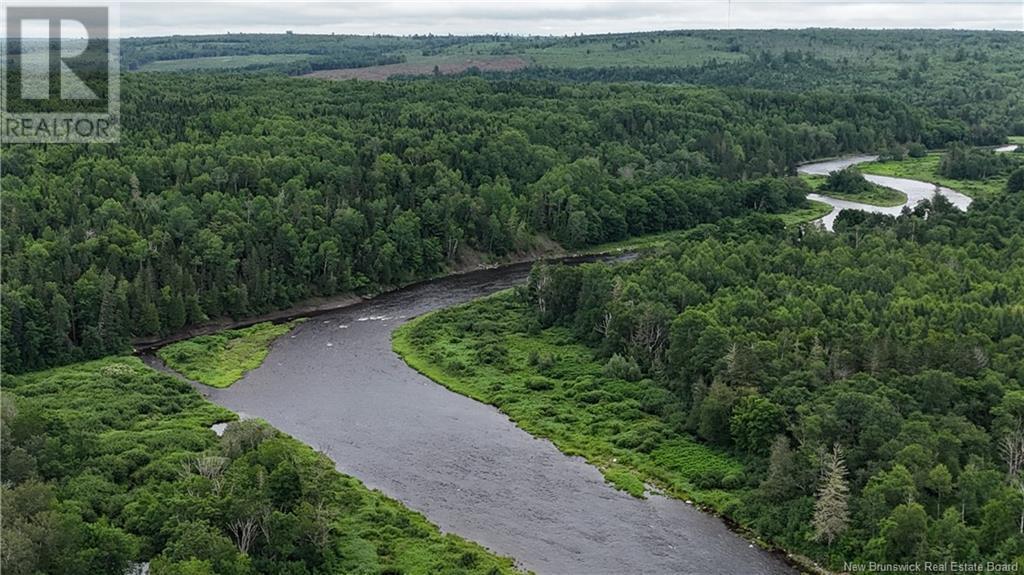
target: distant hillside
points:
(972, 77)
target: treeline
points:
(316, 52)
(109, 464)
(304, 52)
(965, 163)
(972, 82)
(978, 111)
(232, 195)
(872, 380)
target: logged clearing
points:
(504, 64)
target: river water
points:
(915, 190)
(334, 383)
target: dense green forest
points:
(849, 396)
(976, 77)
(109, 463)
(236, 194)
(231, 195)
(856, 396)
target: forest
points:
(847, 396)
(973, 77)
(228, 198)
(850, 397)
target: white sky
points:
(149, 18)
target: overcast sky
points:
(146, 18)
(558, 17)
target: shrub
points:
(847, 181)
(894, 152)
(492, 353)
(619, 367)
(733, 480)
(246, 435)
(708, 479)
(643, 437)
(539, 384)
(917, 150)
(542, 362)
(595, 396)
(456, 366)
(656, 400)
(1016, 182)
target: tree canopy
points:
(233, 195)
(900, 340)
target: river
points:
(915, 190)
(335, 383)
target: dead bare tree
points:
(649, 336)
(980, 358)
(838, 367)
(831, 508)
(451, 247)
(322, 519)
(243, 532)
(1012, 447)
(210, 467)
(604, 324)
(540, 288)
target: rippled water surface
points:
(335, 384)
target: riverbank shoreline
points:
(798, 563)
(294, 415)
(916, 191)
(322, 305)
(317, 306)
(417, 358)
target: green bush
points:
(539, 383)
(619, 367)
(917, 150)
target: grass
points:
(1016, 140)
(811, 211)
(649, 241)
(221, 359)
(220, 62)
(878, 196)
(926, 169)
(555, 388)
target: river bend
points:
(915, 190)
(335, 383)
